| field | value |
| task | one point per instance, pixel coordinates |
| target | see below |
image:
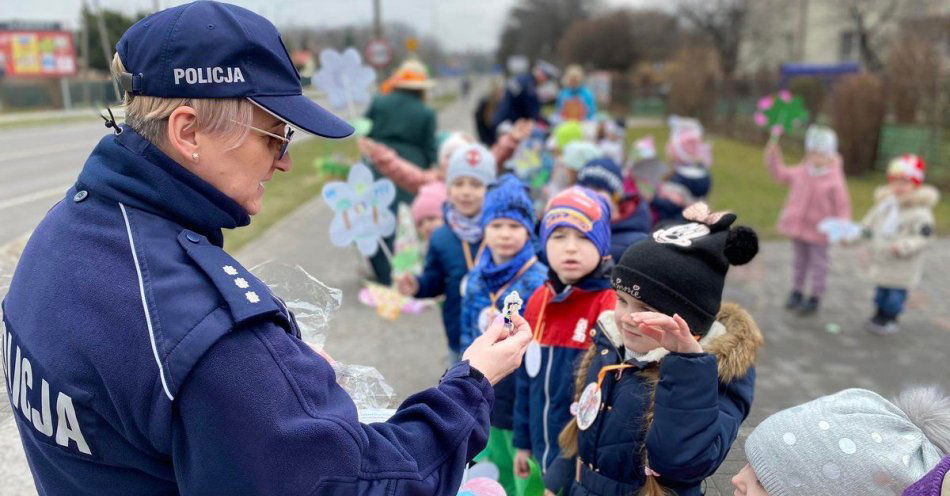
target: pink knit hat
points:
(428, 203)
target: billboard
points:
(37, 53)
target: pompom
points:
(741, 246)
(929, 409)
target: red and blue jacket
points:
(563, 318)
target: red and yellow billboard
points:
(37, 53)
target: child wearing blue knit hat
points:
(630, 218)
(508, 264)
(576, 235)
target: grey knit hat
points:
(473, 161)
(848, 443)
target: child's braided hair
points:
(568, 437)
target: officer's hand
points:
(407, 285)
(522, 467)
(326, 356)
(496, 353)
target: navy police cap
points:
(210, 49)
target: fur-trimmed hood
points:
(925, 196)
(734, 339)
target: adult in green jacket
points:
(402, 121)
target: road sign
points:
(378, 53)
(412, 45)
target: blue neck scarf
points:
(496, 276)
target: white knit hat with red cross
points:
(908, 166)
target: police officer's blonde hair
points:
(148, 115)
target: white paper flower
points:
(344, 78)
(362, 211)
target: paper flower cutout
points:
(407, 258)
(780, 113)
(389, 303)
(362, 211)
(838, 230)
(344, 78)
(331, 167)
(527, 158)
(481, 486)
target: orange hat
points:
(411, 75)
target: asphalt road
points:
(37, 166)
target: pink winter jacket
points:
(410, 176)
(812, 197)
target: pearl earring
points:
(194, 156)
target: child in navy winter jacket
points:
(691, 158)
(670, 376)
(630, 218)
(508, 264)
(456, 246)
(576, 235)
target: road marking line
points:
(31, 197)
(33, 153)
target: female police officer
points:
(142, 359)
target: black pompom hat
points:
(682, 268)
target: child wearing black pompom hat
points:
(670, 376)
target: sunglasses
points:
(284, 139)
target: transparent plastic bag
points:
(365, 385)
(311, 301)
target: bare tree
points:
(874, 24)
(722, 22)
(603, 42)
(534, 27)
(869, 17)
(317, 38)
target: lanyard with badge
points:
(489, 313)
(532, 356)
(586, 408)
(469, 263)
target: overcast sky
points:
(459, 24)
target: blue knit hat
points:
(579, 208)
(602, 174)
(509, 199)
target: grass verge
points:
(741, 183)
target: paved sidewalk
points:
(802, 360)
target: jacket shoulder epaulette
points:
(246, 295)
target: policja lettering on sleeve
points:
(204, 75)
(20, 383)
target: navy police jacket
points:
(700, 401)
(140, 358)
